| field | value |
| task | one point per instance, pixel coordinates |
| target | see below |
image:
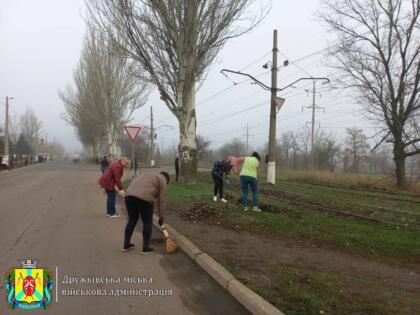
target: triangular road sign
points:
(279, 101)
(132, 131)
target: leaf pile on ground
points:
(200, 211)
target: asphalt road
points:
(56, 213)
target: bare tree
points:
(327, 149)
(378, 54)
(106, 93)
(30, 125)
(203, 147)
(356, 146)
(304, 137)
(175, 42)
(236, 147)
(285, 146)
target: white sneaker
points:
(224, 200)
(256, 209)
(215, 198)
(245, 208)
(114, 215)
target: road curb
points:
(245, 296)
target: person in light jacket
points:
(142, 192)
(248, 177)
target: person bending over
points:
(141, 194)
(248, 177)
(111, 182)
(220, 169)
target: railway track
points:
(300, 199)
(352, 191)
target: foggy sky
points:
(40, 45)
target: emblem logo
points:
(28, 287)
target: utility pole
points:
(36, 141)
(247, 139)
(152, 139)
(6, 130)
(313, 107)
(271, 171)
(6, 158)
(46, 148)
(313, 118)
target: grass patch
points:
(297, 291)
(295, 221)
(349, 180)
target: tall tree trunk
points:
(399, 158)
(187, 134)
(112, 142)
(94, 151)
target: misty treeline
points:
(377, 56)
(175, 42)
(26, 137)
(162, 156)
(351, 154)
(107, 89)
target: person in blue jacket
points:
(220, 170)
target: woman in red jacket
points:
(111, 182)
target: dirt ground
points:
(276, 266)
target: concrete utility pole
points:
(46, 148)
(6, 130)
(247, 139)
(36, 141)
(271, 170)
(313, 117)
(152, 139)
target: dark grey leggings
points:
(135, 208)
(218, 184)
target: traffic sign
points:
(132, 131)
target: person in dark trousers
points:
(143, 191)
(135, 166)
(248, 177)
(220, 169)
(177, 168)
(111, 182)
(104, 164)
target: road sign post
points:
(132, 133)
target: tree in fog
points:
(175, 42)
(356, 147)
(56, 150)
(23, 146)
(304, 138)
(105, 95)
(30, 126)
(141, 146)
(326, 151)
(284, 147)
(203, 147)
(377, 54)
(235, 147)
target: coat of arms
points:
(28, 287)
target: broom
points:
(171, 246)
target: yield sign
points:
(279, 101)
(132, 131)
